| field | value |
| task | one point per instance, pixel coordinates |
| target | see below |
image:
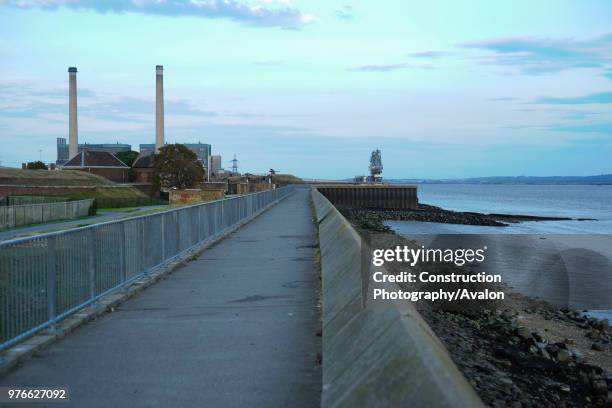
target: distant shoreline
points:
(600, 180)
(494, 183)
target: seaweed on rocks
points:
(373, 219)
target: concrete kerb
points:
(380, 354)
(10, 358)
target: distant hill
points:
(597, 180)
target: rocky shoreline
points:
(527, 353)
(509, 362)
(372, 219)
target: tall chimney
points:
(159, 107)
(73, 127)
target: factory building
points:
(215, 164)
(202, 150)
(101, 163)
(62, 149)
(143, 170)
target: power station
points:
(67, 151)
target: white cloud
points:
(534, 56)
(264, 14)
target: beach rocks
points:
(563, 356)
(523, 333)
(600, 387)
(599, 347)
(510, 365)
(425, 213)
(595, 329)
(371, 221)
(601, 325)
(430, 213)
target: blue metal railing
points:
(50, 276)
(27, 214)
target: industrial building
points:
(202, 150)
(100, 158)
(101, 163)
(62, 149)
(143, 170)
(215, 164)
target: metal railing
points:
(122, 202)
(21, 215)
(49, 276)
(28, 199)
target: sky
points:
(445, 89)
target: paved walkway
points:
(234, 328)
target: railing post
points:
(91, 248)
(222, 217)
(122, 265)
(143, 247)
(199, 208)
(177, 216)
(163, 236)
(51, 278)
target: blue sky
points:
(443, 88)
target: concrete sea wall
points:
(374, 196)
(376, 354)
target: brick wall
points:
(118, 175)
(194, 196)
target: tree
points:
(127, 157)
(36, 165)
(177, 166)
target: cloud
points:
(345, 13)
(534, 56)
(388, 67)
(601, 97)
(603, 128)
(254, 115)
(132, 108)
(22, 100)
(260, 14)
(579, 115)
(429, 54)
(503, 99)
